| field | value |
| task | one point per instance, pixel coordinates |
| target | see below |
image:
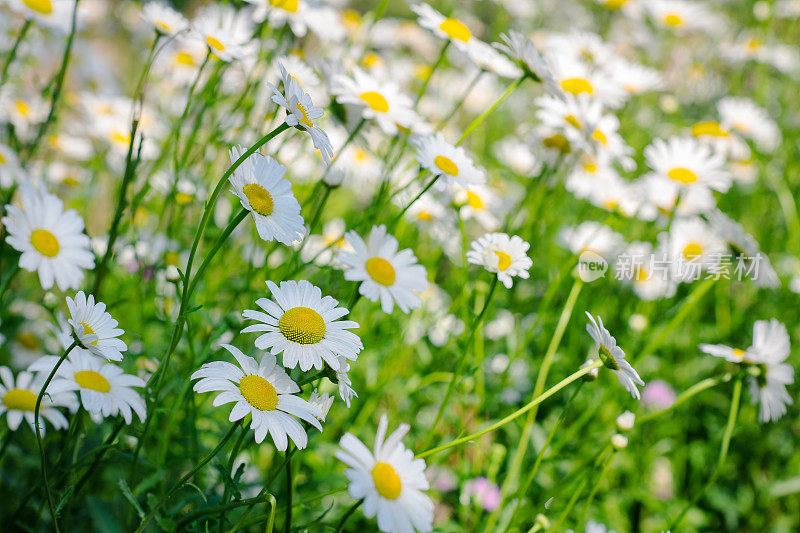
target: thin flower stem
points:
(39, 433)
(435, 66)
(594, 490)
(685, 395)
(12, 54)
(477, 122)
(255, 500)
(347, 142)
(460, 101)
(287, 525)
(149, 516)
(348, 514)
(723, 452)
(231, 458)
(516, 414)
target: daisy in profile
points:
(382, 102)
(18, 401)
(301, 112)
(303, 326)
(346, 391)
(385, 274)
(749, 120)
(612, 356)
(226, 31)
(389, 480)
(262, 390)
(50, 239)
(498, 253)
(684, 162)
(449, 28)
(262, 190)
(163, 18)
(522, 50)
(103, 388)
(450, 163)
(93, 327)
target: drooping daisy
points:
(18, 401)
(302, 112)
(498, 253)
(51, 239)
(346, 391)
(449, 162)
(756, 261)
(262, 190)
(771, 347)
(522, 49)
(93, 327)
(389, 479)
(385, 274)
(226, 31)
(382, 102)
(264, 391)
(163, 18)
(751, 121)
(304, 326)
(684, 162)
(103, 388)
(612, 356)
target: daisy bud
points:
(50, 300)
(625, 421)
(334, 178)
(173, 276)
(592, 375)
(619, 442)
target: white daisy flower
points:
(262, 390)
(441, 158)
(635, 78)
(103, 388)
(262, 190)
(385, 274)
(303, 326)
(681, 15)
(322, 19)
(51, 239)
(227, 32)
(591, 236)
(693, 246)
(685, 162)
(612, 356)
(18, 401)
(745, 117)
(10, 169)
(163, 18)
(346, 391)
(389, 480)
(771, 347)
(522, 49)
(302, 112)
(756, 261)
(322, 402)
(93, 327)
(53, 14)
(382, 102)
(498, 253)
(577, 78)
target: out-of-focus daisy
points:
(304, 326)
(498, 253)
(522, 49)
(575, 77)
(635, 78)
(53, 14)
(612, 356)
(443, 159)
(10, 169)
(24, 111)
(262, 190)
(322, 19)
(163, 18)
(757, 262)
(18, 401)
(382, 102)
(103, 388)
(226, 31)
(262, 390)
(302, 112)
(385, 274)
(389, 479)
(483, 204)
(693, 246)
(682, 15)
(93, 327)
(591, 236)
(685, 163)
(50, 239)
(771, 347)
(751, 121)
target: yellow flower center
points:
(183, 198)
(615, 4)
(577, 86)
(87, 330)
(28, 340)
(287, 5)
(20, 400)
(386, 480)
(370, 59)
(89, 379)
(557, 142)
(184, 58)
(600, 137)
(215, 43)
(260, 199)
(375, 101)
(425, 215)
(572, 120)
(45, 242)
(259, 393)
(710, 128)
(446, 165)
(641, 274)
(611, 204)
(692, 250)
(474, 201)
(673, 19)
(45, 7)
(503, 260)
(302, 325)
(590, 167)
(455, 29)
(739, 353)
(754, 44)
(381, 270)
(163, 26)
(682, 175)
(2, 159)
(23, 108)
(305, 120)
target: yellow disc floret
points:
(386, 480)
(89, 379)
(302, 325)
(446, 165)
(45, 242)
(381, 270)
(375, 101)
(260, 199)
(259, 393)
(455, 30)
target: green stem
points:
(347, 515)
(39, 433)
(287, 525)
(146, 520)
(12, 54)
(519, 412)
(685, 395)
(430, 73)
(477, 122)
(594, 490)
(461, 99)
